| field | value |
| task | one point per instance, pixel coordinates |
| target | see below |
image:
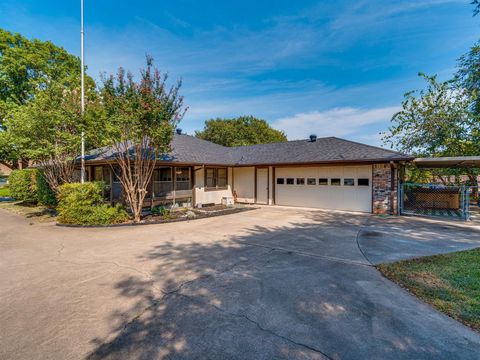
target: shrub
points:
(45, 194)
(162, 211)
(23, 185)
(82, 204)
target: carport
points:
(453, 201)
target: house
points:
(326, 173)
(5, 168)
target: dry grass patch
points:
(30, 211)
(450, 282)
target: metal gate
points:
(435, 200)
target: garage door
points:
(336, 187)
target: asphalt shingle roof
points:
(188, 149)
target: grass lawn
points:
(4, 191)
(451, 283)
(30, 211)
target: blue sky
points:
(334, 68)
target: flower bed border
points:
(156, 222)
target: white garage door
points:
(335, 187)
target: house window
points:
(117, 174)
(311, 181)
(290, 181)
(323, 181)
(216, 177)
(280, 181)
(300, 181)
(335, 182)
(348, 182)
(163, 174)
(182, 178)
(98, 173)
(363, 182)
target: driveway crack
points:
(257, 324)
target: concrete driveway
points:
(267, 283)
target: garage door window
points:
(290, 181)
(300, 181)
(323, 181)
(348, 182)
(363, 182)
(280, 181)
(335, 182)
(311, 181)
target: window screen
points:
(210, 175)
(323, 181)
(311, 181)
(348, 182)
(222, 177)
(280, 181)
(163, 174)
(363, 182)
(98, 173)
(335, 182)
(216, 177)
(182, 174)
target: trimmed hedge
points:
(23, 184)
(82, 204)
(45, 194)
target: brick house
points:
(326, 173)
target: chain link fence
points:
(436, 200)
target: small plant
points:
(162, 211)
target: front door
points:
(262, 186)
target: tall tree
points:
(47, 130)
(140, 120)
(29, 67)
(436, 121)
(468, 75)
(244, 130)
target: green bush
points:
(23, 185)
(162, 211)
(45, 194)
(82, 204)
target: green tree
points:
(27, 68)
(468, 75)
(47, 130)
(140, 119)
(436, 121)
(244, 130)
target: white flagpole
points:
(82, 171)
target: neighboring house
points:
(327, 173)
(5, 168)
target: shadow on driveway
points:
(302, 291)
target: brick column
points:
(384, 190)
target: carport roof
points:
(188, 149)
(447, 162)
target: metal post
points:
(82, 72)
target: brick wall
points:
(384, 196)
